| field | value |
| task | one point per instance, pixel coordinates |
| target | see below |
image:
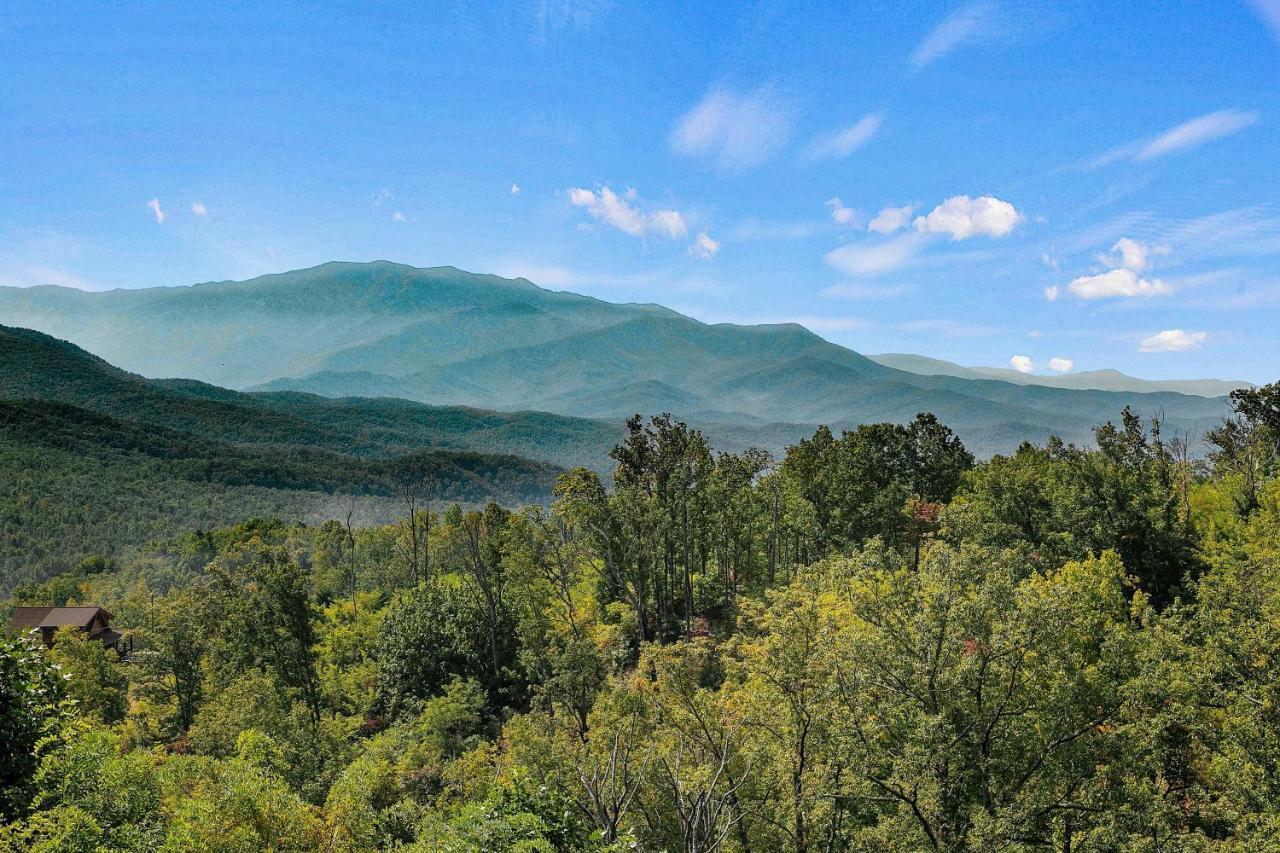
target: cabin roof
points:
(29, 618)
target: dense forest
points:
(873, 642)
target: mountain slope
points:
(37, 366)
(1096, 380)
(443, 336)
(94, 459)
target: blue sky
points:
(1070, 186)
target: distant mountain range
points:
(444, 336)
(1097, 380)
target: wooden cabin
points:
(93, 620)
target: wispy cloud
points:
(199, 209)
(515, 189)
(966, 25)
(554, 16)
(1269, 12)
(156, 210)
(623, 213)
(869, 259)
(734, 131)
(765, 229)
(1184, 137)
(863, 292)
(1173, 340)
(838, 144)
(949, 328)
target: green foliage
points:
(875, 645)
(1063, 502)
(436, 634)
(33, 710)
(95, 681)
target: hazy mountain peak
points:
(442, 335)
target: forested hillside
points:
(94, 460)
(444, 336)
(35, 366)
(872, 642)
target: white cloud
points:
(872, 259)
(1173, 340)
(397, 217)
(1269, 12)
(199, 209)
(963, 217)
(1128, 259)
(734, 131)
(891, 219)
(1051, 293)
(1022, 363)
(515, 189)
(704, 247)
(1184, 137)
(1133, 255)
(1196, 132)
(622, 213)
(844, 141)
(1117, 282)
(840, 214)
(1061, 365)
(966, 25)
(154, 204)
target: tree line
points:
(872, 643)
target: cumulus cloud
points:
(864, 260)
(1022, 363)
(1128, 259)
(963, 217)
(734, 131)
(1186, 136)
(154, 204)
(199, 209)
(704, 246)
(1133, 255)
(966, 25)
(840, 214)
(844, 141)
(623, 213)
(1173, 340)
(515, 189)
(1117, 282)
(891, 219)
(1061, 365)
